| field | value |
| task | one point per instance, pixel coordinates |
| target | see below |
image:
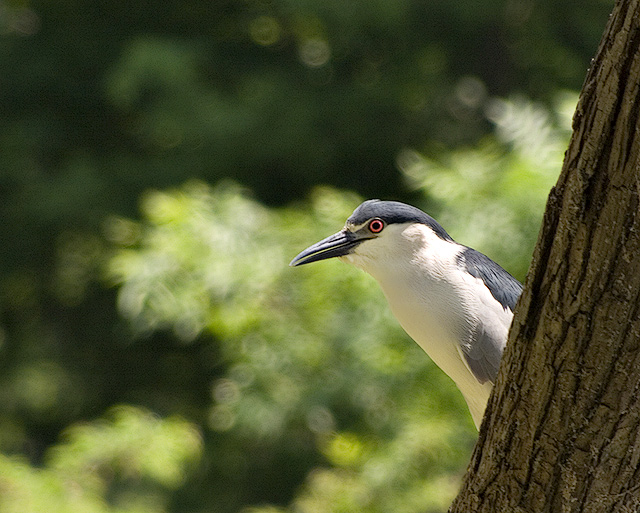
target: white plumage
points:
(456, 303)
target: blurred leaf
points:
(123, 463)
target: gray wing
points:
(483, 354)
(489, 336)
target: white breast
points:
(425, 288)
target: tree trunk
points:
(562, 429)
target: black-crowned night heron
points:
(455, 302)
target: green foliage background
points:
(161, 163)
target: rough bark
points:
(562, 431)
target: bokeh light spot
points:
(314, 52)
(265, 30)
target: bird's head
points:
(377, 233)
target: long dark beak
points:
(338, 244)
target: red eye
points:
(376, 225)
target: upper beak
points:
(338, 244)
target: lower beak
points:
(338, 244)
